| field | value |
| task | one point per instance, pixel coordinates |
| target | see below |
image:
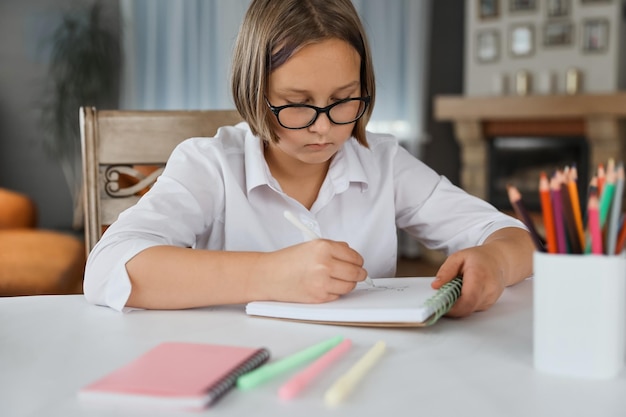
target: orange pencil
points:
(573, 192)
(548, 216)
(568, 217)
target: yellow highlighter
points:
(346, 383)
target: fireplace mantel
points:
(597, 117)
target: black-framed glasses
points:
(300, 116)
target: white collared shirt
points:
(218, 193)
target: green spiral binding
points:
(444, 299)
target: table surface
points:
(51, 346)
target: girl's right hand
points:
(312, 272)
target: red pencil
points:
(593, 218)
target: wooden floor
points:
(416, 267)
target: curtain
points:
(177, 53)
(177, 56)
(398, 32)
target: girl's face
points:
(319, 74)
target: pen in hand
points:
(312, 235)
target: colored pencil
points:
(568, 217)
(515, 198)
(606, 195)
(572, 183)
(595, 230)
(616, 209)
(593, 189)
(557, 208)
(621, 239)
(601, 175)
(547, 213)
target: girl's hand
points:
(483, 280)
(313, 272)
(504, 259)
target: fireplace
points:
(520, 160)
(598, 120)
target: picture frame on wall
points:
(522, 40)
(557, 8)
(595, 35)
(558, 34)
(487, 46)
(516, 6)
(488, 9)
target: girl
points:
(212, 231)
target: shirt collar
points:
(257, 172)
(346, 167)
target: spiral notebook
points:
(176, 375)
(393, 302)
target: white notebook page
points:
(392, 300)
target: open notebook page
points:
(393, 300)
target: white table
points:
(50, 346)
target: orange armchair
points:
(35, 261)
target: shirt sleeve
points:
(106, 280)
(175, 212)
(439, 214)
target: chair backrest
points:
(123, 152)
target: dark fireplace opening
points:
(519, 161)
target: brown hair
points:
(271, 32)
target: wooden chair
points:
(123, 153)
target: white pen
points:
(311, 234)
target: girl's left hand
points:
(504, 259)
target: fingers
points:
(345, 269)
(468, 302)
(450, 269)
(344, 254)
(321, 270)
(340, 261)
(481, 285)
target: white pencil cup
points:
(579, 314)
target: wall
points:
(600, 70)
(445, 76)
(24, 166)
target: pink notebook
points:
(180, 375)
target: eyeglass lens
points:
(341, 113)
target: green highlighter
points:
(268, 371)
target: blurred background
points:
(175, 54)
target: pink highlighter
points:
(292, 387)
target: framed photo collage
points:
(558, 30)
